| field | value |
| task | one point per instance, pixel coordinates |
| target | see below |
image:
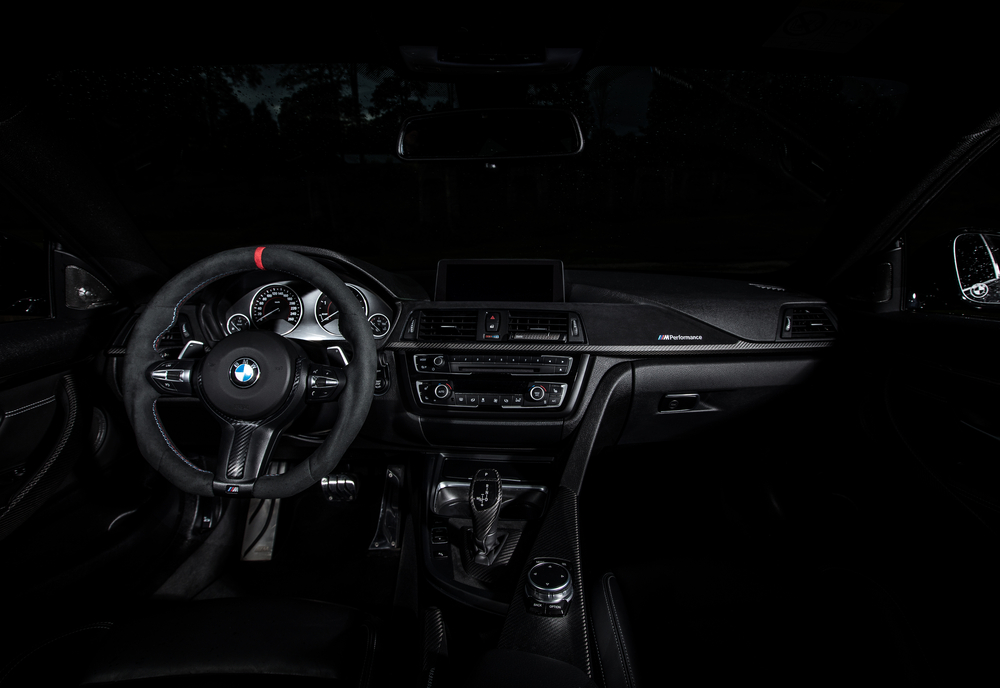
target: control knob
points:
(442, 391)
(549, 582)
(536, 393)
(438, 361)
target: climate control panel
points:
(525, 395)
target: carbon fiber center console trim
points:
(612, 350)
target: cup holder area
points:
(520, 502)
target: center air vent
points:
(447, 326)
(544, 325)
(807, 322)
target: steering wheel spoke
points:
(244, 453)
(325, 382)
(173, 377)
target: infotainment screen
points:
(500, 280)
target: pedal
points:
(262, 523)
(387, 533)
(340, 487)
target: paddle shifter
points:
(485, 495)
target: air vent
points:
(807, 322)
(539, 325)
(447, 326)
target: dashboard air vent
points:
(807, 322)
(540, 325)
(447, 326)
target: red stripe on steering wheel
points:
(256, 256)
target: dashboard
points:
(461, 372)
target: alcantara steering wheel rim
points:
(253, 416)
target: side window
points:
(25, 282)
(963, 223)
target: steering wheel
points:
(255, 383)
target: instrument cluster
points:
(297, 310)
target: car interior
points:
(602, 353)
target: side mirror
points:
(490, 134)
(977, 266)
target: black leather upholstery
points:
(255, 639)
(696, 623)
(612, 634)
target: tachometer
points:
(327, 313)
(276, 307)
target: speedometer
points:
(327, 314)
(276, 307)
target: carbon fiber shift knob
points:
(485, 495)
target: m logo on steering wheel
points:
(244, 372)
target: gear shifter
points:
(485, 495)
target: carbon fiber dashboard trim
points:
(613, 350)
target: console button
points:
(557, 608)
(536, 607)
(461, 399)
(518, 398)
(559, 370)
(492, 399)
(482, 399)
(506, 399)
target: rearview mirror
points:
(977, 266)
(490, 134)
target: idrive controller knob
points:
(549, 589)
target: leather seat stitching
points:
(105, 625)
(618, 625)
(600, 664)
(614, 628)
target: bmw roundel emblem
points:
(244, 372)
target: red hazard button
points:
(492, 322)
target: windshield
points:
(683, 170)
